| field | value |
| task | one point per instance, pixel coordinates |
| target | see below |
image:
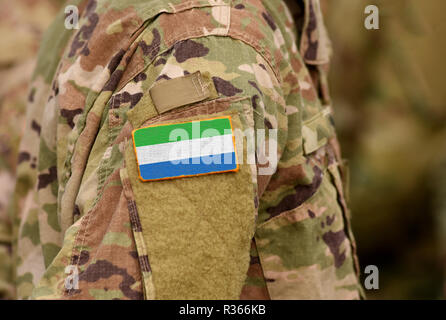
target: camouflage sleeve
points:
(301, 241)
(192, 159)
(219, 209)
(34, 158)
(199, 249)
(20, 34)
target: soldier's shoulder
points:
(255, 23)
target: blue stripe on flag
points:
(194, 166)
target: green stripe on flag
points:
(161, 134)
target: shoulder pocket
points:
(197, 229)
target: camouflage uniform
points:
(22, 24)
(79, 203)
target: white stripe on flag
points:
(185, 149)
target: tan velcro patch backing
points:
(177, 92)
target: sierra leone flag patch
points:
(170, 151)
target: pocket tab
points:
(177, 92)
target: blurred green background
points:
(389, 99)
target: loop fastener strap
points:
(177, 92)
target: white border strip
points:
(185, 149)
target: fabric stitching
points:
(198, 33)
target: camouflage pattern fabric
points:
(22, 24)
(79, 205)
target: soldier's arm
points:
(186, 232)
(198, 229)
(193, 234)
